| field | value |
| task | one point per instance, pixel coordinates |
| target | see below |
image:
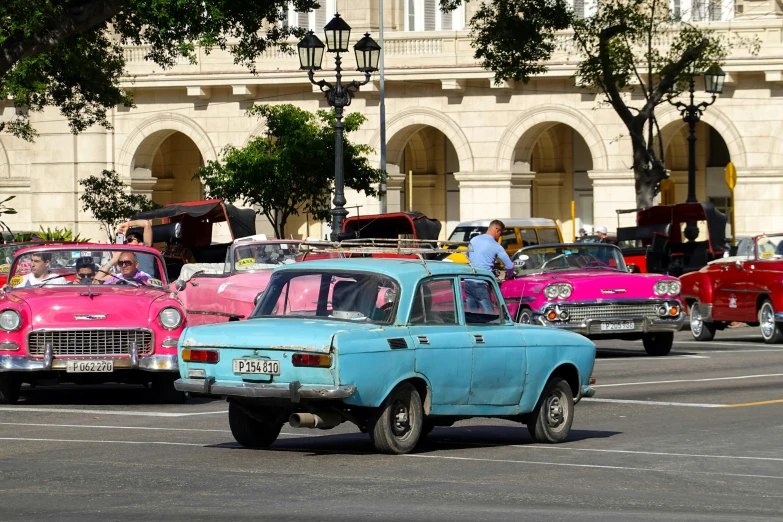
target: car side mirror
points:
(633, 269)
(738, 264)
(258, 297)
(180, 285)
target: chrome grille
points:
(90, 342)
(597, 311)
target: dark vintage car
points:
(674, 239)
(187, 231)
(747, 287)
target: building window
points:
(315, 20)
(425, 15)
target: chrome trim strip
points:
(219, 314)
(647, 325)
(610, 302)
(262, 390)
(106, 328)
(152, 363)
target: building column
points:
(491, 195)
(757, 198)
(613, 190)
(142, 182)
(395, 184)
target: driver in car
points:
(129, 270)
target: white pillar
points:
(757, 198)
(613, 190)
(489, 195)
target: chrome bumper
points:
(778, 316)
(645, 325)
(152, 363)
(293, 391)
(587, 391)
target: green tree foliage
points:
(68, 54)
(619, 52)
(108, 199)
(47, 234)
(291, 169)
(6, 210)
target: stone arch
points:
(716, 119)
(403, 125)
(139, 148)
(529, 126)
(776, 149)
(259, 129)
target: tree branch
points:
(608, 78)
(671, 73)
(76, 20)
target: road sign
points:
(731, 176)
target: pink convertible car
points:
(586, 288)
(61, 323)
(221, 292)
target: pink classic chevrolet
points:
(59, 322)
(586, 288)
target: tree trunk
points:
(648, 172)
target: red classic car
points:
(221, 292)
(747, 288)
(61, 325)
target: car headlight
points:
(661, 288)
(170, 318)
(10, 320)
(565, 291)
(674, 287)
(551, 291)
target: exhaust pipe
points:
(323, 421)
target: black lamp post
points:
(691, 114)
(311, 53)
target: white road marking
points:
(721, 343)
(644, 359)
(738, 377)
(655, 453)
(654, 403)
(103, 427)
(753, 350)
(110, 412)
(470, 459)
(593, 466)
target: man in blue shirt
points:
(484, 250)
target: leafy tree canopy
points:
(108, 199)
(290, 170)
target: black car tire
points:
(701, 330)
(256, 431)
(769, 328)
(525, 315)
(397, 425)
(164, 390)
(9, 388)
(658, 344)
(551, 421)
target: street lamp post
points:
(691, 114)
(338, 95)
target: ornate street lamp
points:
(339, 96)
(691, 114)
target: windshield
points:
(86, 267)
(583, 256)
(769, 247)
(7, 253)
(465, 234)
(350, 296)
(255, 256)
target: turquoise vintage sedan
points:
(396, 346)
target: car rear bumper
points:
(150, 363)
(292, 391)
(592, 327)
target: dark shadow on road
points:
(95, 395)
(441, 439)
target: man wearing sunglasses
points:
(129, 270)
(85, 271)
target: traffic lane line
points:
(438, 457)
(651, 403)
(151, 428)
(131, 413)
(679, 381)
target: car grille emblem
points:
(89, 317)
(614, 291)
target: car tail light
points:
(311, 359)
(207, 356)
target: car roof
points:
(511, 222)
(396, 268)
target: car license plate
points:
(89, 366)
(620, 325)
(258, 366)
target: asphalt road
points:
(696, 435)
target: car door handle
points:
(423, 339)
(479, 339)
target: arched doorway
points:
(175, 160)
(421, 161)
(712, 156)
(561, 159)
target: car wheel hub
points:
(401, 421)
(696, 322)
(767, 322)
(555, 411)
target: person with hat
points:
(601, 232)
(582, 232)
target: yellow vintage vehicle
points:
(518, 233)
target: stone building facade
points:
(469, 149)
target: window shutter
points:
(579, 9)
(445, 21)
(320, 18)
(715, 13)
(302, 20)
(430, 10)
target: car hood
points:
(53, 307)
(589, 284)
(307, 335)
